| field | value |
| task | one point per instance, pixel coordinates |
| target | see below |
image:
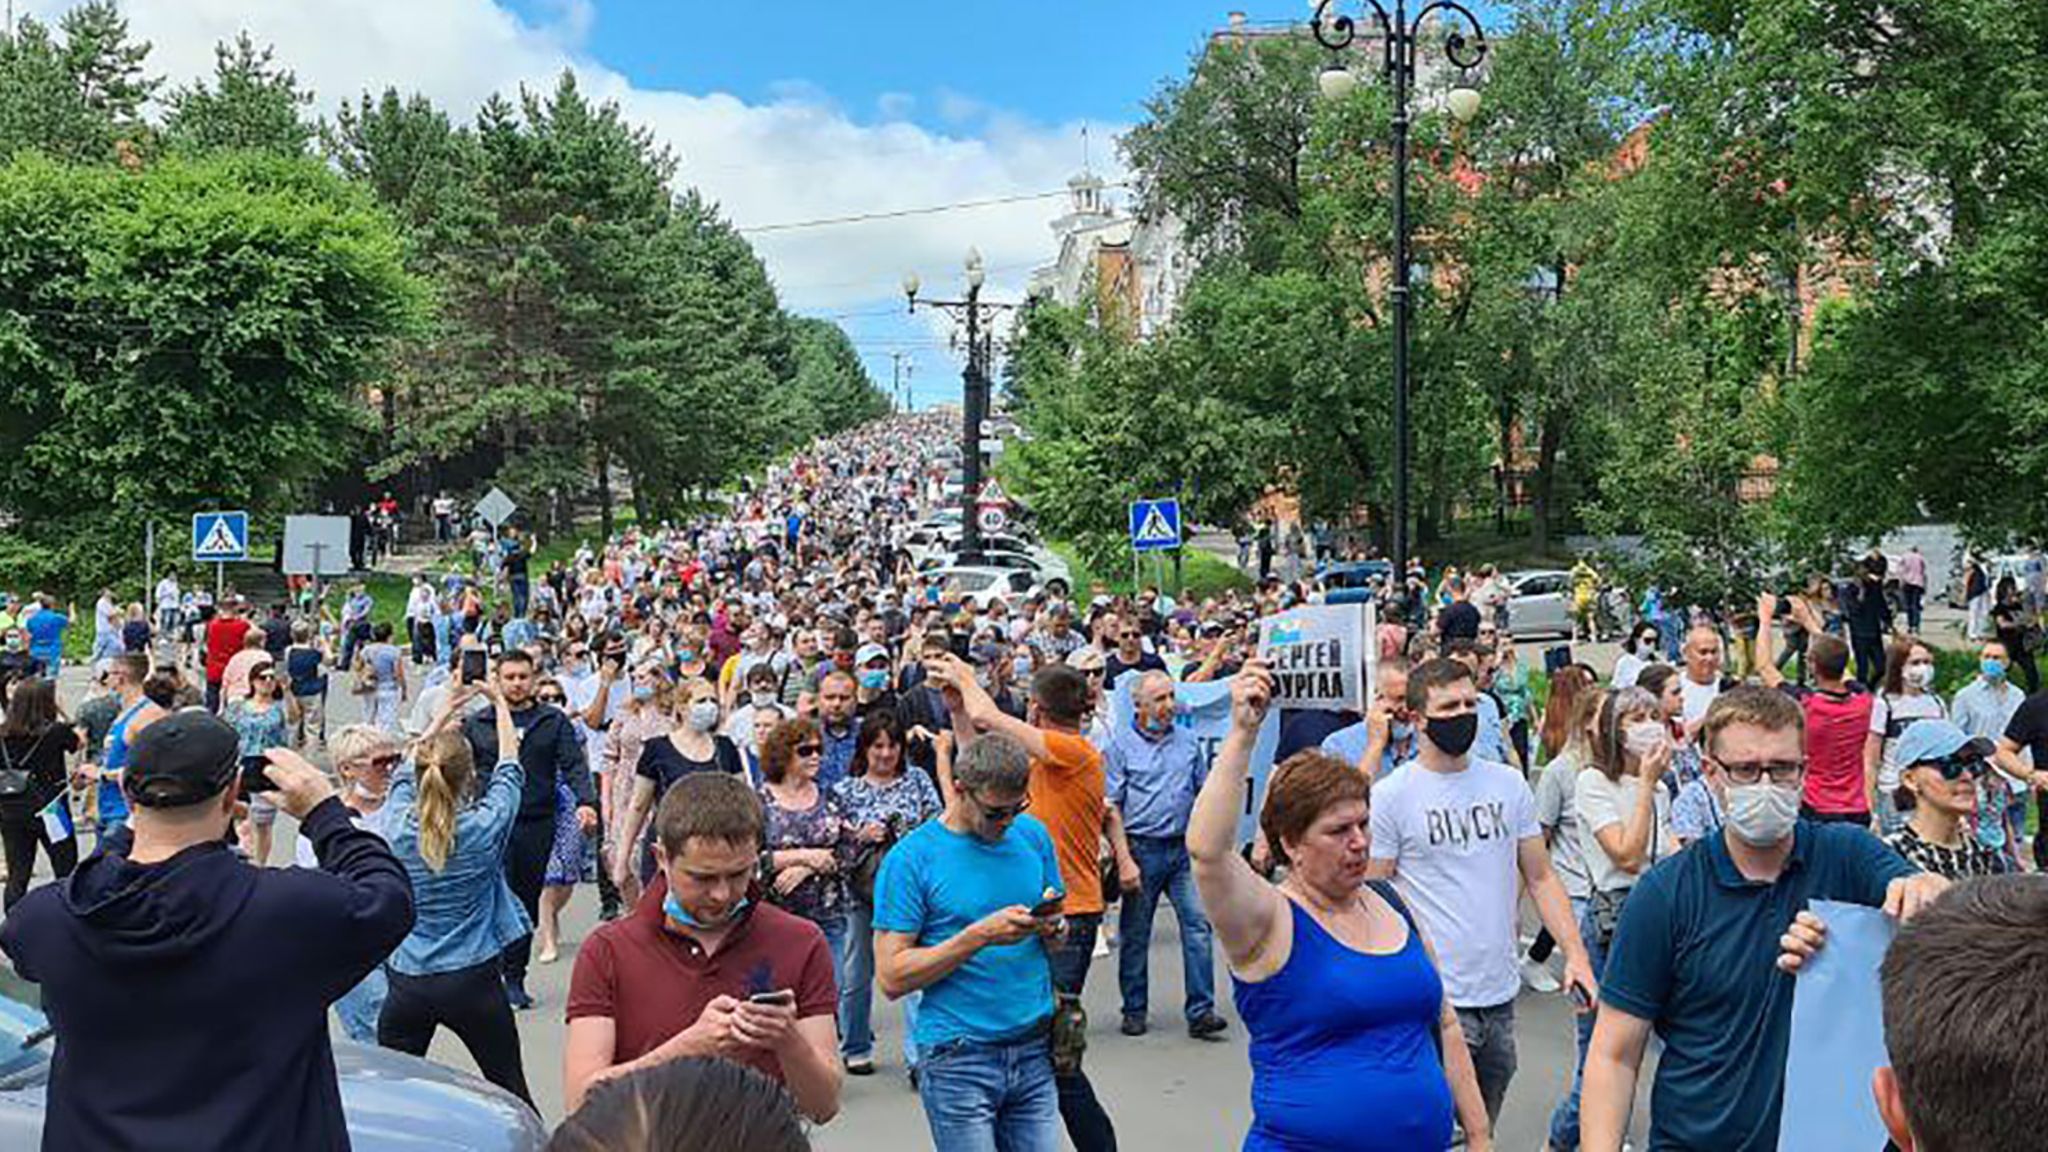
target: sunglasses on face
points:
(391, 760)
(810, 749)
(1000, 812)
(557, 701)
(1954, 768)
(1781, 772)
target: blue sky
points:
(783, 112)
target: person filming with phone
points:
(702, 966)
(156, 952)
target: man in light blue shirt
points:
(1984, 707)
(1154, 770)
(954, 919)
(1385, 739)
(1492, 743)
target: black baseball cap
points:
(185, 758)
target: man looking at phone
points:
(965, 908)
(193, 937)
(703, 968)
(548, 751)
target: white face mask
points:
(761, 699)
(702, 716)
(1643, 737)
(1762, 814)
(1920, 675)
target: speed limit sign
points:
(991, 519)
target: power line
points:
(900, 213)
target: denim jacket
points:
(465, 914)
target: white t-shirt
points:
(1453, 839)
(1602, 802)
(1890, 716)
(378, 822)
(1698, 697)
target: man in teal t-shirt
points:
(953, 920)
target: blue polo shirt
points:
(933, 884)
(1696, 955)
(1153, 783)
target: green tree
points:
(193, 335)
(253, 104)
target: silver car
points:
(1540, 603)
(392, 1102)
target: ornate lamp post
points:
(979, 341)
(1399, 36)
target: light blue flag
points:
(1204, 710)
(56, 816)
(1837, 1035)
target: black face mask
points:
(1453, 735)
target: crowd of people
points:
(795, 770)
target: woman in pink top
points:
(645, 715)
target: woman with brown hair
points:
(452, 843)
(695, 1104)
(259, 719)
(1332, 974)
(35, 739)
(811, 843)
(1907, 697)
(1565, 686)
(645, 715)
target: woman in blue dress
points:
(1353, 1046)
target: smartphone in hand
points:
(474, 665)
(254, 778)
(782, 997)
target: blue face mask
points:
(1402, 732)
(1992, 669)
(643, 692)
(1154, 726)
(874, 679)
(675, 911)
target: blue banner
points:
(1204, 710)
(1837, 1035)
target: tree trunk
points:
(1542, 486)
(604, 489)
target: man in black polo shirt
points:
(1460, 618)
(1710, 938)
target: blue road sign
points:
(1155, 525)
(219, 537)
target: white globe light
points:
(1336, 83)
(1464, 103)
(911, 283)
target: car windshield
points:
(971, 581)
(20, 1019)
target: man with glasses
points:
(1130, 654)
(966, 910)
(1708, 936)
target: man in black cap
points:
(188, 989)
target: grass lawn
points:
(1204, 574)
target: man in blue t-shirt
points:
(45, 629)
(954, 921)
(1710, 939)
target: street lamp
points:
(975, 382)
(1399, 36)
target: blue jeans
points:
(1564, 1120)
(834, 929)
(360, 1006)
(1163, 862)
(991, 1097)
(856, 992)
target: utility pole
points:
(973, 311)
(901, 369)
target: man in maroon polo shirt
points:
(702, 969)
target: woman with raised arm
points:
(1354, 1047)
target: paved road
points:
(1163, 1090)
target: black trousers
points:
(1088, 1124)
(526, 868)
(469, 1002)
(1868, 648)
(21, 832)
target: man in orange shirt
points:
(1068, 796)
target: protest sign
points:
(1204, 711)
(1837, 1035)
(1318, 655)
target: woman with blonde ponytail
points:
(449, 829)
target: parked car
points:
(1050, 572)
(392, 1102)
(982, 584)
(1352, 582)
(1540, 603)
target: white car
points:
(1052, 574)
(983, 585)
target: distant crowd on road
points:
(795, 765)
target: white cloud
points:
(798, 156)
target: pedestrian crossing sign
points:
(1155, 525)
(219, 537)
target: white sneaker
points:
(1101, 948)
(1538, 977)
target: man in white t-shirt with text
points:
(1458, 836)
